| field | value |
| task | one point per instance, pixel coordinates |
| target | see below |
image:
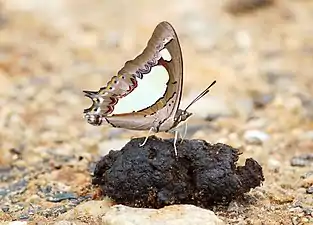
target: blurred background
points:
(259, 51)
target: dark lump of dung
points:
(151, 176)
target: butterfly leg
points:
(184, 134)
(146, 139)
(175, 141)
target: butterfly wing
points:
(159, 115)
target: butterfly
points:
(163, 115)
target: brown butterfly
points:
(163, 50)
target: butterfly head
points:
(181, 116)
(93, 113)
(93, 119)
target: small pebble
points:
(309, 190)
(24, 217)
(307, 175)
(55, 211)
(5, 208)
(245, 6)
(261, 101)
(58, 197)
(302, 160)
(255, 137)
(274, 164)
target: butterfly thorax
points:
(180, 116)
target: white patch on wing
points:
(150, 88)
(166, 55)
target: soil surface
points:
(261, 55)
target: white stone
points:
(170, 215)
(92, 209)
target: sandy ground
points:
(262, 103)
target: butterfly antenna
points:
(203, 93)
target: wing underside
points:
(126, 81)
